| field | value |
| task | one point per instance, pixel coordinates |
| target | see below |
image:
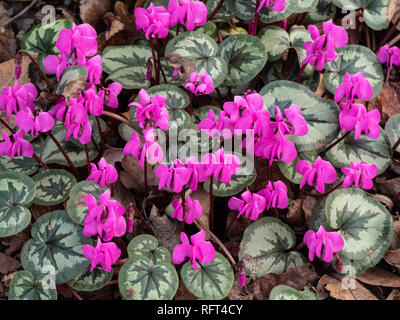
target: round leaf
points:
(392, 129)
(364, 222)
(56, 246)
(202, 49)
(372, 151)
(276, 42)
(140, 280)
(127, 65)
(76, 206)
(43, 37)
(306, 5)
(91, 281)
(354, 59)
(246, 57)
(213, 281)
(147, 245)
(53, 187)
(227, 11)
(283, 292)
(321, 114)
(16, 194)
(23, 165)
(265, 246)
(324, 11)
(24, 286)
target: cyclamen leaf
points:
(53, 187)
(245, 56)
(392, 129)
(354, 59)
(246, 10)
(202, 50)
(140, 280)
(227, 11)
(147, 245)
(265, 247)
(89, 281)
(373, 151)
(23, 165)
(321, 114)
(56, 248)
(306, 5)
(276, 41)
(283, 292)
(212, 281)
(17, 192)
(127, 65)
(324, 11)
(24, 286)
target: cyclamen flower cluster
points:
(270, 137)
(155, 21)
(200, 83)
(390, 56)
(322, 48)
(252, 205)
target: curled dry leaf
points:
(133, 175)
(379, 277)
(295, 214)
(388, 101)
(344, 288)
(175, 60)
(8, 45)
(92, 11)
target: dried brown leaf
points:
(92, 11)
(379, 277)
(8, 264)
(133, 175)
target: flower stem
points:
(50, 85)
(254, 31)
(300, 74)
(190, 108)
(103, 148)
(324, 194)
(177, 28)
(215, 238)
(146, 191)
(214, 12)
(388, 75)
(121, 119)
(211, 215)
(183, 200)
(160, 68)
(67, 158)
(155, 61)
(396, 145)
(335, 144)
(87, 158)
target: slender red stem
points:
(214, 12)
(160, 68)
(335, 144)
(155, 61)
(211, 216)
(300, 74)
(87, 158)
(146, 191)
(103, 148)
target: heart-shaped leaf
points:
(24, 286)
(283, 292)
(375, 12)
(244, 177)
(288, 169)
(246, 10)
(57, 244)
(245, 56)
(373, 151)
(53, 187)
(42, 39)
(50, 154)
(89, 281)
(139, 279)
(127, 65)
(321, 114)
(76, 206)
(324, 11)
(17, 192)
(147, 245)
(227, 11)
(276, 41)
(306, 5)
(354, 59)
(265, 247)
(392, 129)
(23, 165)
(212, 281)
(72, 81)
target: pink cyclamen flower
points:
(323, 244)
(105, 255)
(220, 165)
(277, 147)
(189, 13)
(17, 146)
(151, 151)
(112, 93)
(275, 5)
(200, 83)
(94, 101)
(42, 122)
(320, 173)
(151, 112)
(357, 119)
(275, 195)
(322, 49)
(390, 56)
(174, 178)
(252, 205)
(18, 98)
(360, 174)
(294, 125)
(193, 210)
(104, 174)
(353, 87)
(105, 218)
(200, 250)
(154, 21)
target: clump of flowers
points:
(189, 13)
(191, 210)
(16, 145)
(390, 56)
(154, 21)
(103, 174)
(105, 255)
(360, 174)
(200, 83)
